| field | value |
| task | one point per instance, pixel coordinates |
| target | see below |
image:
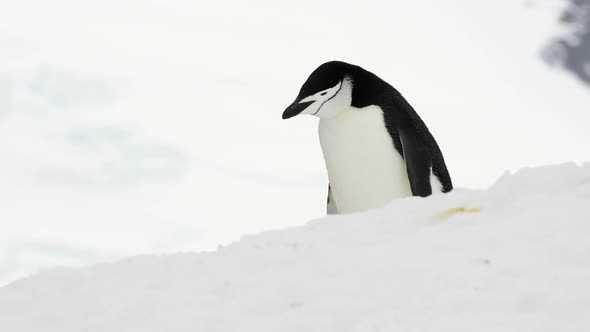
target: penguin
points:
(376, 148)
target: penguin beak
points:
(295, 109)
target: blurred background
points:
(136, 126)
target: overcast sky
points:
(137, 126)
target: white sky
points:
(154, 126)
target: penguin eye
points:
(323, 93)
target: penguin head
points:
(327, 91)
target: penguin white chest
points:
(364, 169)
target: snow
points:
(515, 257)
(161, 131)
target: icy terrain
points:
(515, 257)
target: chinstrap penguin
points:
(375, 145)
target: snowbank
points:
(513, 258)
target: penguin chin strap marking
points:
(327, 100)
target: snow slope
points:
(515, 257)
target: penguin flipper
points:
(418, 161)
(331, 206)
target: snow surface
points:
(515, 257)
